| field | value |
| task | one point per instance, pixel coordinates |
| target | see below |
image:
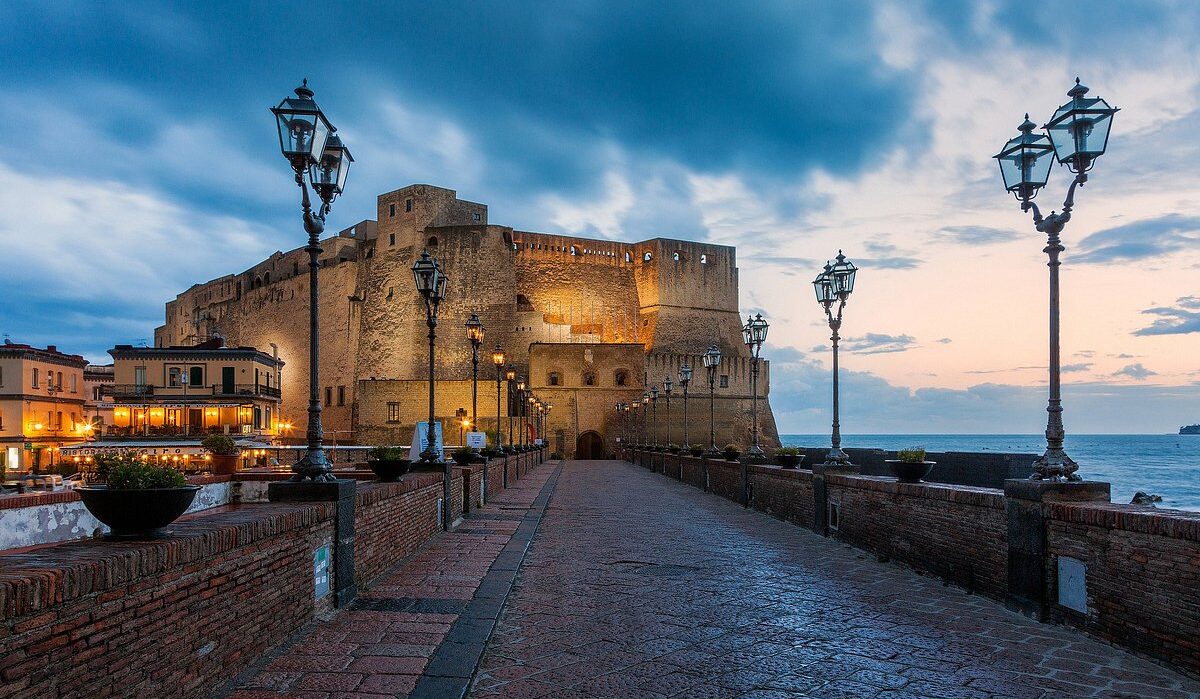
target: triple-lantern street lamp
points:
(498, 361)
(754, 334)
(712, 360)
(1076, 135)
(431, 284)
(311, 145)
(475, 332)
(834, 285)
(685, 378)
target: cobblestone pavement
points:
(640, 586)
(400, 631)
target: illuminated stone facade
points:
(670, 298)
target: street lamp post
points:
(685, 378)
(475, 332)
(835, 284)
(754, 333)
(646, 419)
(667, 389)
(1076, 135)
(654, 415)
(311, 144)
(431, 284)
(460, 416)
(712, 359)
(510, 376)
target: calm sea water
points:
(1160, 464)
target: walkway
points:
(640, 586)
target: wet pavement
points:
(639, 586)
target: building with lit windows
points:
(41, 406)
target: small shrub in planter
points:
(696, 450)
(673, 448)
(788, 457)
(911, 466)
(139, 498)
(224, 453)
(388, 462)
(489, 453)
(463, 455)
(731, 452)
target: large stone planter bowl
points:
(910, 471)
(225, 464)
(389, 470)
(789, 460)
(137, 513)
(463, 459)
(731, 455)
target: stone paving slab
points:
(639, 586)
(421, 629)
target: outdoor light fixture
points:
(685, 378)
(498, 361)
(754, 334)
(311, 145)
(667, 386)
(1076, 135)
(431, 285)
(712, 360)
(475, 332)
(834, 285)
(654, 414)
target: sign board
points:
(477, 440)
(420, 441)
(1072, 584)
(539, 441)
(321, 571)
(28, 446)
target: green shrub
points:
(731, 448)
(220, 444)
(912, 455)
(788, 451)
(387, 453)
(463, 451)
(125, 473)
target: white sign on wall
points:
(477, 440)
(1072, 584)
(420, 441)
(321, 571)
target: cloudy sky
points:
(141, 159)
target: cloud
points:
(1071, 368)
(1137, 372)
(895, 262)
(879, 343)
(1180, 319)
(977, 235)
(944, 341)
(1147, 238)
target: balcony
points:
(245, 390)
(130, 390)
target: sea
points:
(1167, 465)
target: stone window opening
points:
(391, 238)
(704, 259)
(393, 412)
(589, 378)
(621, 377)
(573, 252)
(554, 379)
(408, 205)
(724, 380)
(678, 257)
(267, 278)
(341, 395)
(647, 257)
(475, 217)
(628, 257)
(432, 242)
(391, 210)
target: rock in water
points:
(1144, 498)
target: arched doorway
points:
(589, 445)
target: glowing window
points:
(573, 252)
(676, 257)
(647, 257)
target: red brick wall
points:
(1143, 576)
(391, 520)
(957, 532)
(692, 471)
(783, 493)
(170, 618)
(725, 478)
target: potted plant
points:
(463, 456)
(731, 452)
(910, 465)
(388, 462)
(673, 448)
(139, 499)
(224, 453)
(696, 450)
(489, 453)
(788, 457)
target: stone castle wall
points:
(673, 298)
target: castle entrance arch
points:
(589, 445)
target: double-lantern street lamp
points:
(754, 334)
(712, 360)
(1077, 135)
(667, 386)
(311, 144)
(685, 378)
(646, 418)
(834, 285)
(475, 332)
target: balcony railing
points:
(130, 390)
(248, 389)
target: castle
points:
(590, 322)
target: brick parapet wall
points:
(392, 520)
(786, 494)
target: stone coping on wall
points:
(960, 494)
(52, 575)
(1176, 524)
(12, 502)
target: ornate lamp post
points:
(1076, 135)
(835, 284)
(646, 419)
(510, 376)
(310, 143)
(712, 360)
(654, 414)
(521, 412)
(498, 361)
(667, 386)
(685, 378)
(475, 332)
(431, 284)
(460, 416)
(754, 333)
